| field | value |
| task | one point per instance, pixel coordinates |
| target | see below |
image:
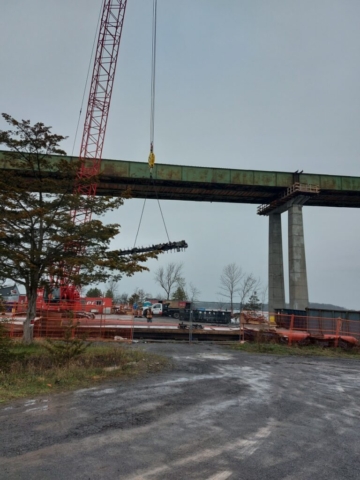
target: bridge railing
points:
(292, 191)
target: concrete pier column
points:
(276, 265)
(299, 297)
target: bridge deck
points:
(175, 182)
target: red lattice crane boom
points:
(111, 25)
(97, 113)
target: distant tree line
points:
(237, 288)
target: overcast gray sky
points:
(259, 84)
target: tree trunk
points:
(30, 315)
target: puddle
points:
(215, 356)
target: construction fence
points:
(329, 331)
(53, 321)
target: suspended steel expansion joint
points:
(160, 247)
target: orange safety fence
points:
(321, 330)
(52, 321)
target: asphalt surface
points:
(217, 415)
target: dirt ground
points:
(217, 415)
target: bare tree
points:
(122, 298)
(170, 277)
(160, 296)
(194, 293)
(111, 288)
(247, 286)
(139, 295)
(220, 303)
(230, 281)
(263, 296)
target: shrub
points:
(63, 351)
(6, 354)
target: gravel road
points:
(217, 415)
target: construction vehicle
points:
(178, 309)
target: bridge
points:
(175, 182)
(201, 184)
(275, 192)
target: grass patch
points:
(33, 371)
(296, 350)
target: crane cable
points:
(141, 216)
(152, 108)
(153, 78)
(87, 77)
(151, 159)
(162, 215)
(142, 213)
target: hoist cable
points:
(142, 213)
(152, 109)
(153, 76)
(157, 198)
(152, 119)
(141, 216)
(87, 78)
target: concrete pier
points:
(276, 266)
(298, 287)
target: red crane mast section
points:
(97, 113)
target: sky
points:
(248, 84)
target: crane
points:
(92, 143)
(97, 113)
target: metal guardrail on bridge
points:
(295, 190)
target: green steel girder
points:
(176, 182)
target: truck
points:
(179, 309)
